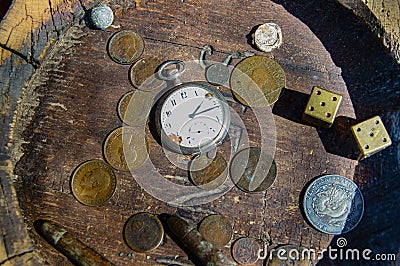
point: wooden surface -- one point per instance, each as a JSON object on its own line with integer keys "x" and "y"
{"x": 76, "y": 87}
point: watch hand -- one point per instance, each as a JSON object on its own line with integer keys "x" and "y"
{"x": 204, "y": 111}
{"x": 195, "y": 110}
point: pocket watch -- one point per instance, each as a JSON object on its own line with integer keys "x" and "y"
{"x": 191, "y": 117}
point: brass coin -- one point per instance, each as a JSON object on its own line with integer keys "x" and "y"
{"x": 208, "y": 173}
{"x": 289, "y": 255}
{"x": 125, "y": 154}
{"x": 256, "y": 81}
{"x": 245, "y": 251}
{"x": 125, "y": 47}
{"x": 216, "y": 229}
{"x": 134, "y": 108}
{"x": 252, "y": 165}
{"x": 142, "y": 72}
{"x": 93, "y": 183}
{"x": 143, "y": 232}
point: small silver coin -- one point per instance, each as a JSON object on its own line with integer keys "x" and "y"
{"x": 268, "y": 36}
{"x": 333, "y": 204}
{"x": 217, "y": 74}
{"x": 101, "y": 17}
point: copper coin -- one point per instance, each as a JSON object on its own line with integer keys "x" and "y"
{"x": 289, "y": 255}
{"x": 253, "y": 170}
{"x": 134, "y": 108}
{"x": 125, "y": 148}
{"x": 143, "y": 232}
{"x": 93, "y": 183}
{"x": 208, "y": 173}
{"x": 216, "y": 229}
{"x": 245, "y": 251}
{"x": 142, "y": 73}
{"x": 126, "y": 47}
{"x": 257, "y": 81}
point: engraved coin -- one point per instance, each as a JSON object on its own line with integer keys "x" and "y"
{"x": 217, "y": 74}
{"x": 253, "y": 170}
{"x": 216, "y": 229}
{"x": 333, "y": 204}
{"x": 143, "y": 232}
{"x": 257, "y": 81}
{"x": 101, "y": 17}
{"x": 93, "y": 183}
{"x": 208, "y": 173}
{"x": 268, "y": 36}
{"x": 289, "y": 255}
{"x": 245, "y": 251}
{"x": 134, "y": 108}
{"x": 126, "y": 47}
{"x": 143, "y": 70}
{"x": 125, "y": 157}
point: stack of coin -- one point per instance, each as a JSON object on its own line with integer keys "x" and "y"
{"x": 257, "y": 81}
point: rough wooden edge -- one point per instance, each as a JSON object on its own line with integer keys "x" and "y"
{"x": 383, "y": 18}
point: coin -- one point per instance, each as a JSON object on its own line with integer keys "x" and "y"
{"x": 217, "y": 74}
{"x": 128, "y": 154}
{"x": 216, "y": 229}
{"x": 253, "y": 170}
{"x": 208, "y": 173}
{"x": 245, "y": 251}
{"x": 125, "y": 47}
{"x": 142, "y": 72}
{"x": 143, "y": 232}
{"x": 101, "y": 17}
{"x": 289, "y": 255}
{"x": 93, "y": 183}
{"x": 257, "y": 81}
{"x": 134, "y": 108}
{"x": 268, "y": 36}
{"x": 333, "y": 204}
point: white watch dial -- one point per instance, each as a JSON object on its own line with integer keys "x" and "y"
{"x": 192, "y": 117}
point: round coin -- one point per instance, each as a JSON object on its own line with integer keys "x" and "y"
{"x": 142, "y": 73}
{"x": 101, "y": 17}
{"x": 245, "y": 251}
{"x": 143, "y": 232}
{"x": 289, "y": 255}
{"x": 217, "y": 74}
{"x": 125, "y": 154}
{"x": 93, "y": 183}
{"x": 333, "y": 204}
{"x": 208, "y": 173}
{"x": 134, "y": 108}
{"x": 253, "y": 170}
{"x": 257, "y": 81}
{"x": 268, "y": 36}
{"x": 216, "y": 229}
{"x": 126, "y": 47}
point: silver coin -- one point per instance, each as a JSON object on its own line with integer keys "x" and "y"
{"x": 333, "y": 204}
{"x": 217, "y": 74}
{"x": 268, "y": 36}
{"x": 101, "y": 17}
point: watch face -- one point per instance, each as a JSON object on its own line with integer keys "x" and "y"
{"x": 193, "y": 116}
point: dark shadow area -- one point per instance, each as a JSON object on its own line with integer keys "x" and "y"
{"x": 373, "y": 81}
{"x": 4, "y": 6}
{"x": 291, "y": 105}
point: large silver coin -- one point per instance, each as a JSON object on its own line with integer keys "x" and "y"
{"x": 333, "y": 204}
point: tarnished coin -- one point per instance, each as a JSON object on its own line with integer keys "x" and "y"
{"x": 101, "y": 17}
{"x": 289, "y": 255}
{"x": 216, "y": 229}
{"x": 253, "y": 170}
{"x": 143, "y": 232}
{"x": 257, "y": 81}
{"x": 217, "y": 74}
{"x": 245, "y": 251}
{"x": 268, "y": 36}
{"x": 126, "y": 47}
{"x": 208, "y": 173}
{"x": 144, "y": 70}
{"x": 129, "y": 156}
{"x": 333, "y": 204}
{"x": 93, "y": 183}
{"x": 134, "y": 108}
